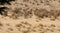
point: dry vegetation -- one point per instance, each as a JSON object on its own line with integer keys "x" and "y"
{"x": 27, "y": 9}
{"x": 28, "y": 12}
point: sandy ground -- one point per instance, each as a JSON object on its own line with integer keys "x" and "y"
{"x": 30, "y": 25}
{"x": 8, "y": 25}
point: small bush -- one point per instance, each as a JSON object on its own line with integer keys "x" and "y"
{"x": 41, "y": 13}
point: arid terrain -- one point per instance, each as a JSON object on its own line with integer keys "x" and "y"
{"x": 30, "y": 16}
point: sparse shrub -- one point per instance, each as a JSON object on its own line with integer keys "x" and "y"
{"x": 2, "y": 11}
{"x": 41, "y": 13}
{"x": 2, "y": 2}
{"x": 28, "y": 14}
{"x": 19, "y": 12}
{"x": 55, "y": 13}
{"x": 13, "y": 13}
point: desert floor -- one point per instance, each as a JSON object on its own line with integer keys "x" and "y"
{"x": 32, "y": 25}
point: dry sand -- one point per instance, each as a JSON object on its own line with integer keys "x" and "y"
{"x": 30, "y": 25}
{"x": 9, "y": 25}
